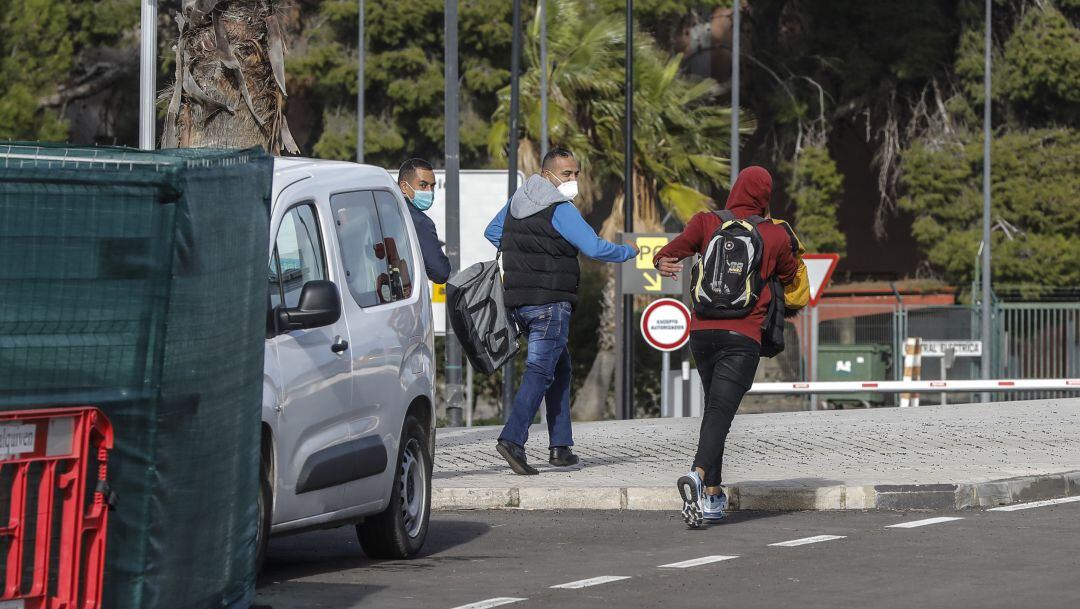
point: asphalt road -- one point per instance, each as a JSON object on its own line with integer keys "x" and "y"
{"x": 1022, "y": 558}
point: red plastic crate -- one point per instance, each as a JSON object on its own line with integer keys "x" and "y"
{"x": 54, "y": 498}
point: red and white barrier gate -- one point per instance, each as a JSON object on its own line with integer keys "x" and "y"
{"x": 912, "y": 369}
{"x": 53, "y": 507}
{"x": 998, "y": 385}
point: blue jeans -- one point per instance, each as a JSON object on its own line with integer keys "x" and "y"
{"x": 547, "y": 374}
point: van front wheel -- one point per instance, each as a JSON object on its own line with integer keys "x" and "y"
{"x": 399, "y": 531}
{"x": 266, "y": 508}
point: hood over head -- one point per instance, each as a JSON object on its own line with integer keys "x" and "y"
{"x": 750, "y": 194}
{"x": 533, "y": 197}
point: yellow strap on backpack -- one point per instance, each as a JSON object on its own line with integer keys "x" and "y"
{"x": 796, "y": 293}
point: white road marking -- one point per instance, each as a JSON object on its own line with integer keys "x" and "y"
{"x": 492, "y": 602}
{"x": 806, "y": 540}
{"x": 704, "y": 560}
{"x": 922, "y": 523}
{"x": 595, "y": 581}
{"x": 1033, "y": 504}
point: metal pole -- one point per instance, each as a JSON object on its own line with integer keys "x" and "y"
{"x": 665, "y": 382}
{"x": 620, "y": 339}
{"x": 543, "y": 80}
{"x": 944, "y": 377}
{"x": 685, "y": 406}
{"x": 453, "y": 219}
{"x": 628, "y": 218}
{"x": 361, "y": 56}
{"x": 735, "y": 26}
{"x": 987, "y": 305}
{"x": 512, "y": 153}
{"x": 813, "y": 352}
{"x": 147, "y": 73}
{"x": 470, "y": 401}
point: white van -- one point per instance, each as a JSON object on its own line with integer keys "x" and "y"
{"x": 348, "y": 420}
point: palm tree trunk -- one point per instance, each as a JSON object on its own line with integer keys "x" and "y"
{"x": 591, "y": 401}
{"x": 229, "y": 90}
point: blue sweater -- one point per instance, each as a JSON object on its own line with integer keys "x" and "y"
{"x": 436, "y": 263}
{"x": 568, "y": 221}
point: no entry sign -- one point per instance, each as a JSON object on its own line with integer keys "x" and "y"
{"x": 665, "y": 324}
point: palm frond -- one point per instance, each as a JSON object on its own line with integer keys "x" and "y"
{"x": 684, "y": 201}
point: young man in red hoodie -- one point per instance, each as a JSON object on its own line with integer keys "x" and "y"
{"x": 726, "y": 350}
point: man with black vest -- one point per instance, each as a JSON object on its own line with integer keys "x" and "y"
{"x": 540, "y": 233}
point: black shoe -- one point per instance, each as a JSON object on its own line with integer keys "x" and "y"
{"x": 562, "y": 456}
{"x": 515, "y": 456}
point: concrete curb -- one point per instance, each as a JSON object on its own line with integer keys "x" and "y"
{"x": 768, "y": 497}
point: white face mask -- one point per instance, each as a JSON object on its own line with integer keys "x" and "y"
{"x": 568, "y": 189}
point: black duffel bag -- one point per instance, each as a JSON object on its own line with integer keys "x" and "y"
{"x": 474, "y": 304}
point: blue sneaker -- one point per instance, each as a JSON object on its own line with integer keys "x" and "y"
{"x": 692, "y": 492}
{"x": 713, "y": 507}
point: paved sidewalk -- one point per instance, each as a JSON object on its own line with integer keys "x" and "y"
{"x": 932, "y": 457}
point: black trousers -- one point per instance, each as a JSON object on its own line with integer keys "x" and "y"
{"x": 727, "y": 362}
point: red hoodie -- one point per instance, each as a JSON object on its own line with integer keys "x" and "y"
{"x": 748, "y": 197}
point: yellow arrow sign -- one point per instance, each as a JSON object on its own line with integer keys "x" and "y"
{"x": 653, "y": 282}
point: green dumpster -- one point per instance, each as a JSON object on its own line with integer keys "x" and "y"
{"x": 867, "y": 362}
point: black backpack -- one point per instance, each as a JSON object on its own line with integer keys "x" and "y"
{"x": 726, "y": 280}
{"x": 474, "y": 304}
{"x": 772, "y": 328}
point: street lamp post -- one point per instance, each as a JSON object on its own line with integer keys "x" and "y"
{"x": 361, "y": 57}
{"x": 987, "y": 305}
{"x": 512, "y": 154}
{"x": 543, "y": 80}
{"x": 453, "y": 219}
{"x": 627, "y": 405}
{"x": 147, "y": 72}
{"x": 735, "y": 27}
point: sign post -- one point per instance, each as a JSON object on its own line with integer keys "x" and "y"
{"x": 819, "y": 269}
{"x": 638, "y": 278}
{"x": 665, "y": 326}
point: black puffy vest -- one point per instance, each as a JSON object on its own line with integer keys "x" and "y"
{"x": 540, "y": 266}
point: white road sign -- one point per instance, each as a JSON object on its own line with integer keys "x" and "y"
{"x": 819, "y": 268}
{"x": 665, "y": 324}
{"x": 16, "y": 439}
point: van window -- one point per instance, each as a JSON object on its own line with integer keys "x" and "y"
{"x": 299, "y": 252}
{"x": 275, "y": 280}
{"x": 398, "y": 249}
{"x": 362, "y": 251}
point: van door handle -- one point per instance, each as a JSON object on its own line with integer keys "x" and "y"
{"x": 339, "y": 346}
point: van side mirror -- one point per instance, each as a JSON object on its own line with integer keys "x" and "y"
{"x": 320, "y": 305}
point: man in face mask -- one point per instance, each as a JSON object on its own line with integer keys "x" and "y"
{"x": 416, "y": 179}
{"x": 540, "y": 234}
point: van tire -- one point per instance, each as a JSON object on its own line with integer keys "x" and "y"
{"x": 266, "y": 510}
{"x": 399, "y": 531}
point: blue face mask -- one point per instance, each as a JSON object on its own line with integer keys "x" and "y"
{"x": 423, "y": 199}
